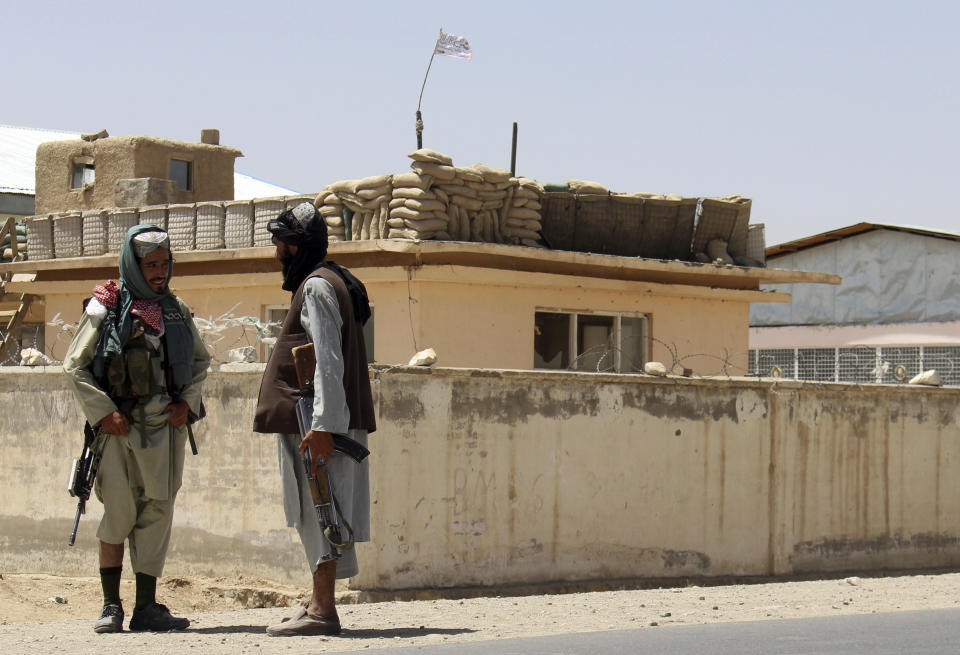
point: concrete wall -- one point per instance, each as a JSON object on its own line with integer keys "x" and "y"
{"x": 484, "y": 477}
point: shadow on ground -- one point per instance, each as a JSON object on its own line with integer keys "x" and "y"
{"x": 403, "y": 633}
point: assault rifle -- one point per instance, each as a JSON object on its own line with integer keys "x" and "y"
{"x": 324, "y": 502}
{"x": 305, "y": 362}
{"x": 83, "y": 473}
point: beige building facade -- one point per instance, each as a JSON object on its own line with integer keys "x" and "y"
{"x": 477, "y": 305}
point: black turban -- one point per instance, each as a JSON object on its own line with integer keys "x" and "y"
{"x": 303, "y": 227}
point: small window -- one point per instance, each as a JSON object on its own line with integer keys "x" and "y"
{"x": 602, "y": 343}
{"x": 181, "y": 172}
{"x": 551, "y": 340}
{"x": 595, "y": 343}
{"x": 83, "y": 176}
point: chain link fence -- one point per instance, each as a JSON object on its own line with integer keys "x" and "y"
{"x": 858, "y": 364}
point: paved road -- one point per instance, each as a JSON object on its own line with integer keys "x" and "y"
{"x": 934, "y": 632}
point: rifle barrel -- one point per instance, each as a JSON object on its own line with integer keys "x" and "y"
{"x": 76, "y": 523}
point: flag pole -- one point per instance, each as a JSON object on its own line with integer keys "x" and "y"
{"x": 419, "y": 123}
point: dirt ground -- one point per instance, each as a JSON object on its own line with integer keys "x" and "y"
{"x": 40, "y": 613}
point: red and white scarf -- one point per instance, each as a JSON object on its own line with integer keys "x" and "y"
{"x": 148, "y": 310}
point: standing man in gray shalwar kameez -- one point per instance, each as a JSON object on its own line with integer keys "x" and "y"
{"x": 328, "y": 309}
{"x": 137, "y": 365}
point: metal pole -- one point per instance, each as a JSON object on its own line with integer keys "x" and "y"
{"x": 419, "y": 123}
{"x": 513, "y": 152}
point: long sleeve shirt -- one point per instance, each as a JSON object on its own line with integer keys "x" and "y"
{"x": 320, "y": 318}
{"x": 155, "y": 462}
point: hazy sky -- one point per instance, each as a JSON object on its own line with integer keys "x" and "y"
{"x": 824, "y": 113}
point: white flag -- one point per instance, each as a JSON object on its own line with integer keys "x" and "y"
{"x": 451, "y": 45}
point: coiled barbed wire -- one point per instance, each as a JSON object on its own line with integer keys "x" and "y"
{"x": 215, "y": 332}
{"x": 855, "y": 364}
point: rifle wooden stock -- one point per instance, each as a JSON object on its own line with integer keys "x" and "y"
{"x": 305, "y": 362}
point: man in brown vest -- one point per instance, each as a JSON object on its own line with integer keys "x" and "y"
{"x": 328, "y": 309}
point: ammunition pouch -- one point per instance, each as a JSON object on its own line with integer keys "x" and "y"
{"x": 131, "y": 374}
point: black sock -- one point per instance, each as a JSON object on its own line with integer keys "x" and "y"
{"x": 146, "y": 590}
{"x": 110, "y": 581}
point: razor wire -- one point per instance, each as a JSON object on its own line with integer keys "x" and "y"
{"x": 231, "y": 338}
{"x": 227, "y": 337}
{"x": 849, "y": 364}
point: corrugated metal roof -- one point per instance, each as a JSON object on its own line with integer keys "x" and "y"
{"x": 844, "y": 232}
{"x": 247, "y": 187}
{"x": 18, "y": 156}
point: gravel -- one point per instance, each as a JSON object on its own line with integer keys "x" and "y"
{"x": 34, "y": 620}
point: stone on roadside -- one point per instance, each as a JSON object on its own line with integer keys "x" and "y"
{"x": 655, "y": 368}
{"x": 33, "y": 357}
{"x": 243, "y": 354}
{"x": 426, "y": 357}
{"x": 929, "y": 378}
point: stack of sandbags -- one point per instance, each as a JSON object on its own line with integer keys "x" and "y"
{"x": 361, "y": 204}
{"x": 479, "y": 198}
{"x": 415, "y": 210}
{"x": 420, "y": 208}
{"x": 20, "y": 237}
{"x": 331, "y": 209}
{"x": 436, "y": 200}
{"x": 523, "y": 221}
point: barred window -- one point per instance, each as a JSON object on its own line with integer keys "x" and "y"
{"x": 594, "y": 342}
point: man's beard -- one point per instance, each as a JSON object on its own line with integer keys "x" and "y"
{"x": 286, "y": 260}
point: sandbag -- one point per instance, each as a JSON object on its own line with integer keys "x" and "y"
{"x": 457, "y": 190}
{"x": 586, "y": 186}
{"x": 412, "y": 180}
{"x": 425, "y": 205}
{"x": 428, "y": 155}
{"x": 373, "y": 182}
{"x": 375, "y": 192}
{"x": 348, "y": 186}
{"x": 441, "y": 172}
{"x": 491, "y": 174}
{"x": 467, "y": 203}
{"x": 412, "y": 192}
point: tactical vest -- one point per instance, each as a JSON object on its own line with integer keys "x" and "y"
{"x": 131, "y": 375}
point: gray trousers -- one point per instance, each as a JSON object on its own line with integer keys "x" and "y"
{"x": 350, "y": 483}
